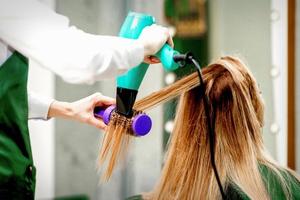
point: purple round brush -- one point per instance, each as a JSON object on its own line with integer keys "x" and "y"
{"x": 141, "y": 123}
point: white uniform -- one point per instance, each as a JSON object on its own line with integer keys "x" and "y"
{"x": 44, "y": 36}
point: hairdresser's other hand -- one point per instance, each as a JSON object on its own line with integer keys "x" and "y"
{"x": 153, "y": 38}
{"x": 81, "y": 110}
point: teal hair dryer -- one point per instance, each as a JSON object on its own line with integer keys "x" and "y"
{"x": 129, "y": 83}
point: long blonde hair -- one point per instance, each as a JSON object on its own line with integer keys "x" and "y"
{"x": 239, "y": 151}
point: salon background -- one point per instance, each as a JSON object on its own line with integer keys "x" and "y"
{"x": 65, "y": 153}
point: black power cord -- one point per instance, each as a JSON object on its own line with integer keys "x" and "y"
{"x": 188, "y": 58}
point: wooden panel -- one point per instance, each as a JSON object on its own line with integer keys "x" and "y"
{"x": 291, "y": 84}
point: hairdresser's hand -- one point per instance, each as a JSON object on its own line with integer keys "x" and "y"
{"x": 153, "y": 38}
{"x": 81, "y": 110}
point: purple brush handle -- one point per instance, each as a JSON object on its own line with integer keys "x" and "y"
{"x": 104, "y": 113}
{"x": 141, "y": 123}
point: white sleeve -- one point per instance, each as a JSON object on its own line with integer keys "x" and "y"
{"x": 38, "y": 106}
{"x": 46, "y": 37}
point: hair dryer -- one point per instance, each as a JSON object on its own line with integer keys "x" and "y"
{"x": 129, "y": 83}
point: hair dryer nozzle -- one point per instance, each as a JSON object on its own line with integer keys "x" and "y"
{"x": 183, "y": 59}
{"x": 125, "y": 100}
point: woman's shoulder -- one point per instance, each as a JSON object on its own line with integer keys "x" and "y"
{"x": 293, "y": 183}
{"x": 276, "y": 181}
{"x": 277, "y": 184}
{"x": 231, "y": 192}
{"x": 234, "y": 193}
{"x": 273, "y": 183}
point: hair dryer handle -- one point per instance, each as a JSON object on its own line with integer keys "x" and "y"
{"x": 165, "y": 55}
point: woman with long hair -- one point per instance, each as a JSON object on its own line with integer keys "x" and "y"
{"x": 236, "y": 107}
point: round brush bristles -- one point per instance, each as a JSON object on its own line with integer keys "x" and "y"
{"x": 115, "y": 142}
